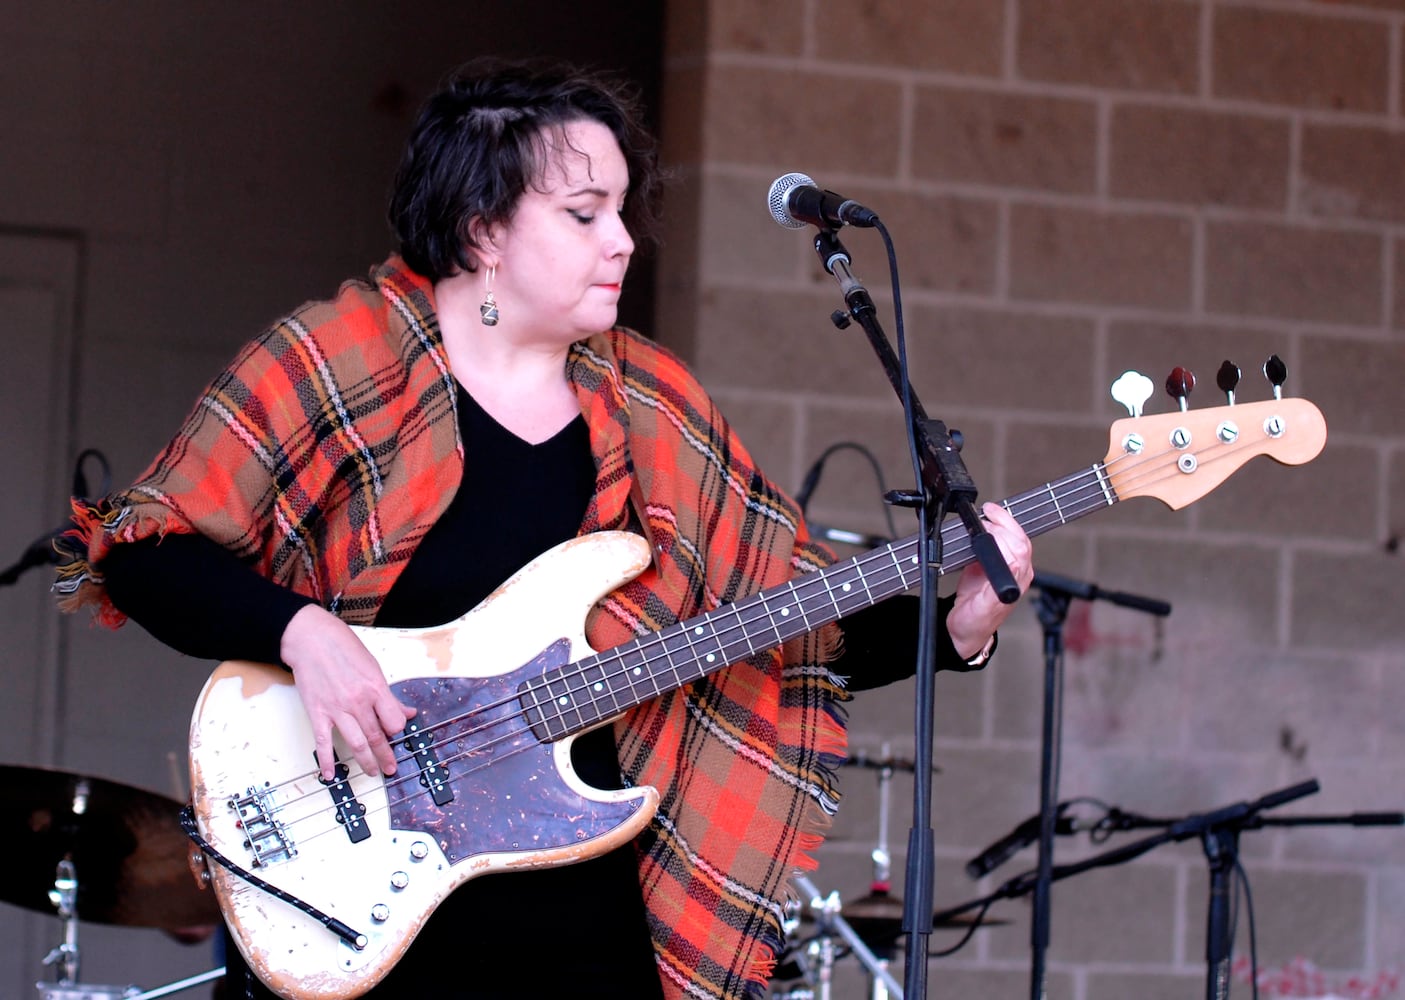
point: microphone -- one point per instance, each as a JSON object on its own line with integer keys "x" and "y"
{"x": 1015, "y": 841}
{"x": 40, "y": 552}
{"x": 795, "y": 202}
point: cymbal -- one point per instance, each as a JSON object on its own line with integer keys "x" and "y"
{"x": 126, "y": 845}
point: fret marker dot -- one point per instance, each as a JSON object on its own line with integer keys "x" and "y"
{"x": 599, "y": 686}
{"x": 848, "y": 587}
{"x": 711, "y": 658}
{"x": 698, "y": 630}
{"x": 637, "y": 671}
{"x": 784, "y": 612}
{"x": 563, "y": 700}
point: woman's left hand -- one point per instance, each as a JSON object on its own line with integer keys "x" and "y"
{"x": 978, "y": 612}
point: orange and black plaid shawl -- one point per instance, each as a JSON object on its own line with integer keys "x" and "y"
{"x": 330, "y": 446}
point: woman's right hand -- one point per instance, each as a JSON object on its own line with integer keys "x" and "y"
{"x": 342, "y": 687}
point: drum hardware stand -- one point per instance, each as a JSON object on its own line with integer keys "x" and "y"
{"x": 828, "y": 909}
{"x": 64, "y": 896}
{"x": 882, "y": 859}
{"x": 1055, "y": 595}
{"x": 832, "y": 925}
{"x": 66, "y": 956}
{"x": 1218, "y": 832}
{"x": 878, "y": 913}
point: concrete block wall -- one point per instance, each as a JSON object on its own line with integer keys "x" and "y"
{"x": 1076, "y": 188}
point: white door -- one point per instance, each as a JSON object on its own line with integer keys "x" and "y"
{"x": 50, "y": 663}
{"x": 38, "y": 292}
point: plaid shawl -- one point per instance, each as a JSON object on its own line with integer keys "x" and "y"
{"x": 331, "y": 445}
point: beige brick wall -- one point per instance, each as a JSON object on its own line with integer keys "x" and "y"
{"x": 1075, "y": 188}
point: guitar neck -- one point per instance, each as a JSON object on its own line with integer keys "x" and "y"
{"x": 580, "y": 695}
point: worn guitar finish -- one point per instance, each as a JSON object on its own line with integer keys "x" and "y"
{"x": 484, "y": 780}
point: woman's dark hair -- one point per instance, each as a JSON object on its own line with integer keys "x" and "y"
{"x": 487, "y": 135}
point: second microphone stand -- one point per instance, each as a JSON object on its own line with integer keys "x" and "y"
{"x": 1056, "y": 593}
{"x": 1218, "y": 832}
{"x": 944, "y": 486}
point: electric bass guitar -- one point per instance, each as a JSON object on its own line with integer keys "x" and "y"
{"x": 324, "y": 886}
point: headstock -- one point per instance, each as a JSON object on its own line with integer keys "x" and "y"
{"x": 1179, "y": 457}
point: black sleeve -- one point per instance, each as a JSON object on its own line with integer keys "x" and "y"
{"x": 198, "y": 598}
{"x": 880, "y": 643}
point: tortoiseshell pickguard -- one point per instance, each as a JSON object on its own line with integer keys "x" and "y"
{"x": 508, "y": 794}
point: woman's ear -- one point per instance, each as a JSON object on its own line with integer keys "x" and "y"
{"x": 483, "y": 242}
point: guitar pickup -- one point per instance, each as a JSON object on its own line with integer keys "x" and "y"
{"x": 433, "y": 775}
{"x": 350, "y": 811}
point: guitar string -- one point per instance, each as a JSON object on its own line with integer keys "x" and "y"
{"x": 891, "y": 559}
{"x": 825, "y": 589}
{"x": 883, "y": 556}
{"x": 1043, "y": 515}
{"x": 1094, "y": 484}
{"x": 885, "y": 559}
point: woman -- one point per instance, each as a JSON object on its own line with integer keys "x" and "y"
{"x": 390, "y": 456}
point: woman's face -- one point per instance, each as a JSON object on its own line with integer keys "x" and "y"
{"x": 562, "y": 258}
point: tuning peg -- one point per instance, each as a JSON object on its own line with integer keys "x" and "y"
{"x": 1132, "y": 390}
{"x": 1227, "y": 378}
{"x": 1179, "y": 384}
{"x": 1277, "y": 373}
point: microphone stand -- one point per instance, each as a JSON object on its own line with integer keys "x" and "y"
{"x": 41, "y": 551}
{"x": 1056, "y": 593}
{"x": 1218, "y": 831}
{"x": 945, "y": 485}
{"x": 1219, "y": 835}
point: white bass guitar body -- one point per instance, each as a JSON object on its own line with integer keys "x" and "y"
{"x": 379, "y": 854}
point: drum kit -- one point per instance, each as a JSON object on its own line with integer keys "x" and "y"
{"x": 822, "y": 930}
{"x": 99, "y": 851}
{"x": 83, "y": 848}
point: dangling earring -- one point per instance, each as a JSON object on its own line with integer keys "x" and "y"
{"x": 489, "y": 309}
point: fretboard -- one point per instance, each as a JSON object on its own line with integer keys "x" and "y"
{"x": 582, "y": 694}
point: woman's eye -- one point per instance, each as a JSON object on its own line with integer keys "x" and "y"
{"x": 582, "y": 218}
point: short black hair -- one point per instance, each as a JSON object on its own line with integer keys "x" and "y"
{"x": 483, "y": 138}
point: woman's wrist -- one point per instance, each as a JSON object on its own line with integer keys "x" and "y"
{"x": 982, "y": 656}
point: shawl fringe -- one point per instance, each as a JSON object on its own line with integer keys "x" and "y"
{"x": 97, "y": 527}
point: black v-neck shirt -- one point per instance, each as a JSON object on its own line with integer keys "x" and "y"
{"x": 516, "y": 501}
